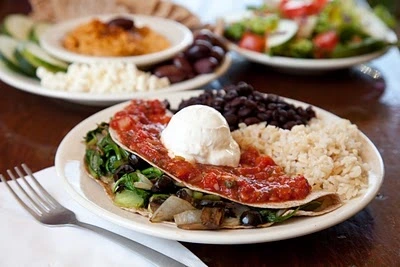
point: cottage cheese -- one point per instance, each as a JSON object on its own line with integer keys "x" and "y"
{"x": 104, "y": 77}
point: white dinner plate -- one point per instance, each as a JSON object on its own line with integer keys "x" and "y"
{"x": 69, "y": 166}
{"x": 33, "y": 86}
{"x": 179, "y": 36}
{"x": 309, "y": 66}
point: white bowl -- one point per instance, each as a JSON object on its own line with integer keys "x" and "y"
{"x": 179, "y": 36}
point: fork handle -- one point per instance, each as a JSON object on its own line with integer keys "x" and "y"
{"x": 154, "y": 257}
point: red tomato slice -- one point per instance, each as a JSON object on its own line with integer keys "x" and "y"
{"x": 252, "y": 41}
{"x": 292, "y": 8}
{"x": 325, "y": 43}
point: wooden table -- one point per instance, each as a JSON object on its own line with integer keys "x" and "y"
{"x": 32, "y": 126}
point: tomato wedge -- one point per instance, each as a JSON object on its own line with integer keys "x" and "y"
{"x": 293, "y": 9}
{"x": 325, "y": 43}
{"x": 252, "y": 41}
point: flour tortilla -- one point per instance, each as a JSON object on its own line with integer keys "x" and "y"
{"x": 314, "y": 195}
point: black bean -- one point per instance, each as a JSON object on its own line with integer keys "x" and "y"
{"x": 231, "y": 119}
{"x": 250, "y": 104}
{"x": 272, "y": 98}
{"x": 251, "y": 120}
{"x": 263, "y": 116}
{"x": 218, "y": 102}
{"x": 271, "y": 106}
{"x": 244, "y": 111}
{"x": 275, "y": 115}
{"x": 244, "y": 89}
{"x": 241, "y": 103}
{"x": 238, "y": 101}
{"x": 291, "y": 113}
{"x": 289, "y": 125}
{"x": 273, "y": 123}
{"x": 230, "y": 95}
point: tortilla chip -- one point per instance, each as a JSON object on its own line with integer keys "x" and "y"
{"x": 146, "y": 7}
{"x": 179, "y": 13}
{"x": 163, "y": 9}
{"x": 191, "y": 22}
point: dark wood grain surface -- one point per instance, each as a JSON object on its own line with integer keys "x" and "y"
{"x": 32, "y": 126}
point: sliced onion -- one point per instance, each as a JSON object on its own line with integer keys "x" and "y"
{"x": 188, "y": 217}
{"x": 142, "y": 185}
{"x": 171, "y": 206}
{"x": 143, "y": 178}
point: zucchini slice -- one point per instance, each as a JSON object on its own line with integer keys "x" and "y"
{"x": 18, "y": 26}
{"x": 37, "y": 57}
{"x": 37, "y": 30}
{"x": 8, "y": 45}
{"x": 24, "y": 65}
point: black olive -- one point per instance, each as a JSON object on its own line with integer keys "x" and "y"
{"x": 123, "y": 23}
{"x": 184, "y": 194}
{"x": 212, "y": 203}
{"x": 126, "y": 168}
{"x": 164, "y": 184}
{"x": 251, "y": 217}
{"x": 133, "y": 159}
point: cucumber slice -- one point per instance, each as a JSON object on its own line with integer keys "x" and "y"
{"x": 129, "y": 199}
{"x": 8, "y": 45}
{"x": 37, "y": 30}
{"x": 24, "y": 65}
{"x": 18, "y": 26}
{"x": 37, "y": 57}
{"x": 284, "y": 32}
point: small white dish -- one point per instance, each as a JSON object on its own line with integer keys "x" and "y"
{"x": 179, "y": 36}
{"x": 33, "y": 86}
{"x": 86, "y": 191}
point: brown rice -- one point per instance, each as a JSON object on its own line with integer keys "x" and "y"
{"x": 326, "y": 152}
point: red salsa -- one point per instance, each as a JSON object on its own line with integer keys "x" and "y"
{"x": 257, "y": 179}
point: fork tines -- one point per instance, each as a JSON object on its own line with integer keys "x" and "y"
{"x": 37, "y": 201}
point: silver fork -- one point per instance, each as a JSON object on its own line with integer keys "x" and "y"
{"x": 44, "y": 208}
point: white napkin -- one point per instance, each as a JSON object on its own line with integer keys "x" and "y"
{"x": 26, "y": 242}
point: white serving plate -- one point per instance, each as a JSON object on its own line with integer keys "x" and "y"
{"x": 309, "y": 66}
{"x": 69, "y": 166}
{"x": 33, "y": 86}
{"x": 179, "y": 36}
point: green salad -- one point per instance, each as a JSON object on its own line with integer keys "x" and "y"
{"x": 312, "y": 29}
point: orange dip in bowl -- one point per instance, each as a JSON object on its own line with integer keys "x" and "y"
{"x": 97, "y": 38}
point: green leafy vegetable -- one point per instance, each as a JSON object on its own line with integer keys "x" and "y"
{"x": 365, "y": 46}
{"x": 298, "y": 48}
{"x": 260, "y": 25}
{"x": 235, "y": 31}
{"x": 152, "y": 172}
{"x": 384, "y": 14}
{"x": 103, "y": 156}
{"x": 136, "y": 198}
{"x": 95, "y": 161}
{"x": 271, "y": 215}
